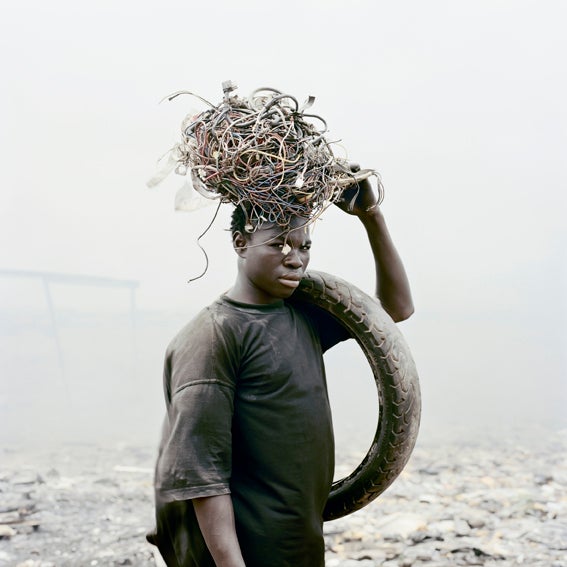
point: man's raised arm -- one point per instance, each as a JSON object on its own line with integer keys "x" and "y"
{"x": 392, "y": 285}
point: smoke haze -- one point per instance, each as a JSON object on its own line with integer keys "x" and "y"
{"x": 459, "y": 106}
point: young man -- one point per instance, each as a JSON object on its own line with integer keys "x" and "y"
{"x": 246, "y": 459}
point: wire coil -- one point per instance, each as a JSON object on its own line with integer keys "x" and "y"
{"x": 263, "y": 153}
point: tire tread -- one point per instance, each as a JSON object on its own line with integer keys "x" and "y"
{"x": 396, "y": 380}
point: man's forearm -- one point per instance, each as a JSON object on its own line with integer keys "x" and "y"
{"x": 392, "y": 285}
{"x": 215, "y": 515}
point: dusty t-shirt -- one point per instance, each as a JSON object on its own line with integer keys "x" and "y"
{"x": 248, "y": 414}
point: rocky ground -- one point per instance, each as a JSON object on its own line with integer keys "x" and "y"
{"x": 493, "y": 504}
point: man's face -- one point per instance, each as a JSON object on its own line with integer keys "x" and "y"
{"x": 272, "y": 262}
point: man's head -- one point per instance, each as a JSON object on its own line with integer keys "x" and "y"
{"x": 271, "y": 259}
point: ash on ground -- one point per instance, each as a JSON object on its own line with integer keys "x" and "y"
{"x": 491, "y": 503}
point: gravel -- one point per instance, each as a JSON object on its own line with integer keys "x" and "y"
{"x": 492, "y": 503}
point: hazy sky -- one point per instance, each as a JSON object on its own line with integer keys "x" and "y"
{"x": 459, "y": 105}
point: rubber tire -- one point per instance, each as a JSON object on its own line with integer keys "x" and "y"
{"x": 396, "y": 380}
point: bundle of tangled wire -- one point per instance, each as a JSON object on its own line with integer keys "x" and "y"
{"x": 262, "y": 153}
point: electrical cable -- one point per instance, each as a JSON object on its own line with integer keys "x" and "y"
{"x": 264, "y": 152}
{"x": 201, "y": 247}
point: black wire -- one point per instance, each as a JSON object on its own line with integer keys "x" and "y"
{"x": 199, "y": 245}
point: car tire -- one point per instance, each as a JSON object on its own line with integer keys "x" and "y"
{"x": 396, "y": 381}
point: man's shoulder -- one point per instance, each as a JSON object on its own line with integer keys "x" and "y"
{"x": 328, "y": 327}
{"x": 215, "y": 317}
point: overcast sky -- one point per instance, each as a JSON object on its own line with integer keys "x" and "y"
{"x": 459, "y": 105}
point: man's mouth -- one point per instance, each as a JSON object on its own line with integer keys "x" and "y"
{"x": 290, "y": 280}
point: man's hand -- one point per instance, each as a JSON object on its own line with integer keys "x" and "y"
{"x": 358, "y": 198}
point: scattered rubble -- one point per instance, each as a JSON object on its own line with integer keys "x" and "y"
{"x": 76, "y": 506}
{"x": 493, "y": 505}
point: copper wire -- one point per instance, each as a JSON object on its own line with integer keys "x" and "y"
{"x": 265, "y": 153}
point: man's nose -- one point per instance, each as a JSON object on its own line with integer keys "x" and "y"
{"x": 293, "y": 259}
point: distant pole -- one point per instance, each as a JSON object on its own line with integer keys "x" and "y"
{"x": 133, "y": 325}
{"x": 70, "y": 279}
{"x": 55, "y": 331}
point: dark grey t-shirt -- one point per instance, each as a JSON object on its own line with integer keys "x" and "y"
{"x": 248, "y": 414}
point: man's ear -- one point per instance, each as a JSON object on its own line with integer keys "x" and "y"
{"x": 239, "y": 243}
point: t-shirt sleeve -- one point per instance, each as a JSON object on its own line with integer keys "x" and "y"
{"x": 195, "y": 459}
{"x": 195, "y": 453}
